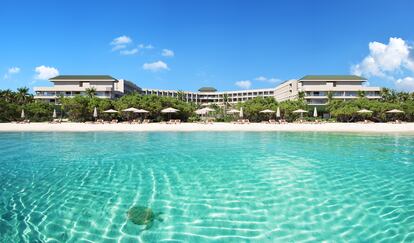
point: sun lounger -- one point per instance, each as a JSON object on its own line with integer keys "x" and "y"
{"x": 136, "y": 121}
{"x": 146, "y": 121}
{"x": 56, "y": 121}
{"x": 114, "y": 121}
{"x": 272, "y": 121}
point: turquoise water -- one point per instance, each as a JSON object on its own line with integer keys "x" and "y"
{"x": 226, "y": 187}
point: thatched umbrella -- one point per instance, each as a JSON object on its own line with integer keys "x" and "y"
{"x": 300, "y": 111}
{"x": 395, "y": 112}
{"x": 267, "y": 111}
{"x": 169, "y": 111}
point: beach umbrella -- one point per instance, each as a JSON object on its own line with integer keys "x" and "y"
{"x": 267, "y": 111}
{"x": 315, "y": 112}
{"x": 131, "y": 109}
{"x": 300, "y": 111}
{"x": 278, "y": 112}
{"x": 232, "y": 111}
{"x": 54, "y": 113}
{"x": 141, "y": 111}
{"x": 200, "y": 112}
{"x": 364, "y": 111}
{"x": 22, "y": 114}
{"x": 241, "y": 112}
{"x": 169, "y": 110}
{"x": 110, "y": 111}
{"x": 394, "y": 111}
{"x": 95, "y": 112}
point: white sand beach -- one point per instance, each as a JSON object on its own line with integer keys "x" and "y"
{"x": 405, "y": 128}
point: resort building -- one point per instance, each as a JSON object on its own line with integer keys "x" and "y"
{"x": 105, "y": 86}
{"x": 316, "y": 89}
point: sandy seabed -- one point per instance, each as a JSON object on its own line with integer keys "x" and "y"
{"x": 404, "y": 128}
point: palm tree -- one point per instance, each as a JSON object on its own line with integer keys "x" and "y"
{"x": 8, "y": 95}
{"x": 301, "y": 95}
{"x": 361, "y": 94}
{"x": 330, "y": 96}
{"x": 403, "y": 96}
{"x": 181, "y": 95}
{"x": 225, "y": 101}
{"x": 90, "y": 92}
{"x": 22, "y": 95}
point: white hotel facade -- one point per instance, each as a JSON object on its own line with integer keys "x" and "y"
{"x": 315, "y": 88}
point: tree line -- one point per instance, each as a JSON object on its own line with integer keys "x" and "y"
{"x": 80, "y": 108}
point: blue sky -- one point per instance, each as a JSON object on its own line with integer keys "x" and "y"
{"x": 188, "y": 44}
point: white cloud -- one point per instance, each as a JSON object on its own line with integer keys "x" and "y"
{"x": 143, "y": 46}
{"x": 44, "y": 72}
{"x": 155, "y": 66}
{"x": 261, "y": 78}
{"x": 390, "y": 62}
{"x": 406, "y": 84}
{"x": 11, "y": 71}
{"x": 118, "y": 47}
{"x": 121, "y": 40}
{"x": 268, "y": 80}
{"x": 129, "y": 52}
{"x": 167, "y": 53}
{"x": 244, "y": 84}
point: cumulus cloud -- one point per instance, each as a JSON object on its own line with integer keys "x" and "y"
{"x": 167, "y": 53}
{"x": 129, "y": 52}
{"x": 268, "y": 80}
{"x": 11, "y": 71}
{"x": 121, "y": 44}
{"x": 244, "y": 84}
{"x": 155, "y": 66}
{"x": 406, "y": 83}
{"x": 121, "y": 40}
{"x": 44, "y": 72}
{"x": 143, "y": 46}
{"x": 391, "y": 62}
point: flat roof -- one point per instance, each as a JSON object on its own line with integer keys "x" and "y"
{"x": 332, "y": 78}
{"x": 82, "y": 77}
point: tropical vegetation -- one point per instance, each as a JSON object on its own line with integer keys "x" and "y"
{"x": 80, "y": 108}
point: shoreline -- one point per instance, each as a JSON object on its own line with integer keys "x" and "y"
{"x": 405, "y": 128}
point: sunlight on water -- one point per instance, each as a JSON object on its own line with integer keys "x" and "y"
{"x": 238, "y": 187}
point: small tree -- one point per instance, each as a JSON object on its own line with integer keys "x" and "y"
{"x": 90, "y": 92}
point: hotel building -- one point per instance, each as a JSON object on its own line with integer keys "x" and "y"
{"x": 105, "y": 86}
{"x": 315, "y": 88}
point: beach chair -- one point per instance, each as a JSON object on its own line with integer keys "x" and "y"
{"x": 56, "y": 121}
{"x": 177, "y": 121}
{"x": 114, "y": 121}
{"x": 146, "y": 121}
{"x": 272, "y": 121}
{"x": 136, "y": 121}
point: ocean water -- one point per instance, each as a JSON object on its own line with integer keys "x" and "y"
{"x": 207, "y": 186}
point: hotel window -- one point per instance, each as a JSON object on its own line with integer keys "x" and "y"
{"x": 81, "y": 84}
